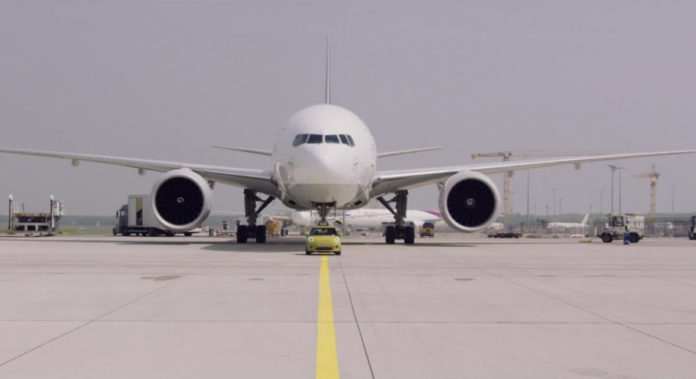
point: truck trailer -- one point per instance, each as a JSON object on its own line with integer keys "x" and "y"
{"x": 137, "y": 218}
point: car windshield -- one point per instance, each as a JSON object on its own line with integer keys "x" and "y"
{"x": 323, "y": 232}
{"x": 315, "y": 138}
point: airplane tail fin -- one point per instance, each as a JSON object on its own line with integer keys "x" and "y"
{"x": 327, "y": 79}
{"x": 585, "y": 219}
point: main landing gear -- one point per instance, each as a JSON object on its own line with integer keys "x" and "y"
{"x": 253, "y": 231}
{"x": 400, "y": 229}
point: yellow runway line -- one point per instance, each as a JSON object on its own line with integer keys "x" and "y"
{"x": 327, "y": 357}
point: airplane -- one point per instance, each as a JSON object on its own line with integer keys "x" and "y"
{"x": 325, "y": 158}
{"x": 580, "y": 224}
{"x": 368, "y": 218}
{"x": 564, "y": 227}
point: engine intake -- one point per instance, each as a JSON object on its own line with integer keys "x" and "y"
{"x": 181, "y": 200}
{"x": 469, "y": 201}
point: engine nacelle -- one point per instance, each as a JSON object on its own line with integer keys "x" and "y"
{"x": 469, "y": 201}
{"x": 181, "y": 200}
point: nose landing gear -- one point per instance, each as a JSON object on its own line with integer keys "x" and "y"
{"x": 400, "y": 229}
{"x": 323, "y": 210}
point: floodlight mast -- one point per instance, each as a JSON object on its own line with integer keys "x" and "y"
{"x": 614, "y": 168}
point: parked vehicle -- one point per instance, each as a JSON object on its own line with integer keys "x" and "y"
{"x": 137, "y": 218}
{"x": 427, "y": 230}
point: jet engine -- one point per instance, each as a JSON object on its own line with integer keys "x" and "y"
{"x": 181, "y": 200}
{"x": 469, "y": 201}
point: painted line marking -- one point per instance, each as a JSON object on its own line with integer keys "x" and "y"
{"x": 327, "y": 357}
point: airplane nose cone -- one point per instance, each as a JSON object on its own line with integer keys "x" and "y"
{"x": 327, "y": 167}
{"x": 324, "y": 174}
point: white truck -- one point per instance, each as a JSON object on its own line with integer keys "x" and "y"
{"x": 137, "y": 218}
{"x": 615, "y": 228}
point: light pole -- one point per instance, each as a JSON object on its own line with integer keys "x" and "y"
{"x": 614, "y": 168}
{"x": 620, "y": 189}
{"x": 560, "y": 205}
{"x": 10, "y": 211}
{"x": 672, "y": 187}
{"x": 526, "y": 221}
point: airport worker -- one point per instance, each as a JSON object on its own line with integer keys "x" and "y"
{"x": 627, "y": 233}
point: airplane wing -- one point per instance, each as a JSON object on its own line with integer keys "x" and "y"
{"x": 258, "y": 180}
{"x": 410, "y": 151}
{"x": 390, "y": 181}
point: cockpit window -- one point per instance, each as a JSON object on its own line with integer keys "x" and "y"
{"x": 299, "y": 139}
{"x": 318, "y": 138}
{"x": 315, "y": 138}
{"x": 331, "y": 138}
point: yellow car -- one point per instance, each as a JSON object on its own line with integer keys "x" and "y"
{"x": 324, "y": 239}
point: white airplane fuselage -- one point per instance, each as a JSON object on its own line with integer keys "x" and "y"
{"x": 326, "y": 172}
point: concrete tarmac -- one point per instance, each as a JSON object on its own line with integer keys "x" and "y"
{"x": 450, "y": 307}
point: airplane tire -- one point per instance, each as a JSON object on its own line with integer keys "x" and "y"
{"x": 606, "y": 238}
{"x": 389, "y": 235}
{"x": 242, "y": 233}
{"x": 409, "y": 235}
{"x": 260, "y": 233}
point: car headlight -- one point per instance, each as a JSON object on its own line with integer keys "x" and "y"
{"x": 338, "y": 240}
{"x": 310, "y": 239}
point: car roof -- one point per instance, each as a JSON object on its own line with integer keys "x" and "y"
{"x": 323, "y": 227}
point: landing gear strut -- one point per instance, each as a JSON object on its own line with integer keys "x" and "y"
{"x": 400, "y": 229}
{"x": 323, "y": 210}
{"x": 257, "y": 232}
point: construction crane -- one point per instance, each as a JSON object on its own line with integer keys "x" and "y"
{"x": 506, "y": 155}
{"x": 653, "y": 175}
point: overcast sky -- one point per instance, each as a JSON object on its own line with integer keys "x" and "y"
{"x": 166, "y": 80}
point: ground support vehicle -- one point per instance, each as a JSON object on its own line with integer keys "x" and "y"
{"x": 137, "y": 218}
{"x": 615, "y": 229}
{"x": 35, "y": 223}
{"x": 692, "y": 228}
{"x": 504, "y": 235}
{"x": 323, "y": 239}
{"x": 427, "y": 230}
